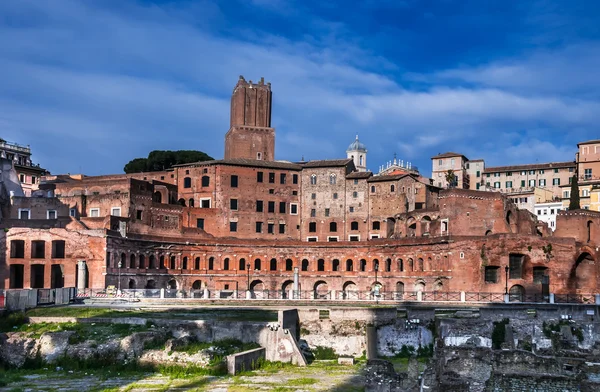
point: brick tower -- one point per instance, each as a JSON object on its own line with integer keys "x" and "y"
{"x": 250, "y": 134}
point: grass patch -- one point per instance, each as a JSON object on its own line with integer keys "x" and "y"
{"x": 12, "y": 321}
{"x": 8, "y": 377}
{"x": 183, "y": 314}
{"x": 302, "y": 381}
{"x": 99, "y": 331}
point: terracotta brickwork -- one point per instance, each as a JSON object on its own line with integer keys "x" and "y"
{"x": 200, "y": 225}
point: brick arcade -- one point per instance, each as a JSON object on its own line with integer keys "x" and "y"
{"x": 251, "y": 220}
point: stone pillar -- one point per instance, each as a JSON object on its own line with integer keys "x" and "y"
{"x": 551, "y": 300}
{"x": 296, "y": 279}
{"x": 597, "y": 298}
{"x": 419, "y": 296}
{"x": 291, "y": 294}
{"x": 81, "y": 275}
{"x": 162, "y": 293}
{"x": 371, "y": 342}
{"x": 333, "y": 295}
{"x": 205, "y": 296}
{"x": 506, "y": 298}
{"x": 248, "y": 294}
{"x": 463, "y": 296}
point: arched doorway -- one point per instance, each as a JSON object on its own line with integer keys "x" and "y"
{"x": 321, "y": 290}
{"x": 516, "y": 293}
{"x": 131, "y": 284}
{"x": 286, "y": 287}
{"x": 257, "y": 289}
{"x": 350, "y": 290}
{"x": 582, "y": 276}
{"x": 391, "y": 227}
{"x": 420, "y": 286}
{"x": 172, "y": 284}
{"x": 399, "y": 293}
{"x": 197, "y": 285}
{"x": 151, "y": 284}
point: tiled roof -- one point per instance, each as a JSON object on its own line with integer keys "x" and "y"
{"x": 357, "y": 175}
{"x": 448, "y": 155}
{"x": 589, "y": 142}
{"x": 327, "y": 163}
{"x": 391, "y": 177}
{"x": 531, "y": 166}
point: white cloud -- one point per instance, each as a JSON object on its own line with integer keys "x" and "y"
{"x": 109, "y": 86}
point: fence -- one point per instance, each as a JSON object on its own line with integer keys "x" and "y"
{"x": 342, "y": 296}
{"x": 20, "y": 299}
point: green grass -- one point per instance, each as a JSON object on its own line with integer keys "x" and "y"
{"x": 223, "y": 347}
{"x": 321, "y": 353}
{"x": 302, "y": 381}
{"x": 229, "y": 314}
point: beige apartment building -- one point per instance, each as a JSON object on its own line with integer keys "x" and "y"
{"x": 442, "y": 163}
{"x": 522, "y": 178}
{"x": 588, "y": 176}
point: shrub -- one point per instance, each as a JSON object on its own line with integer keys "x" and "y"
{"x": 321, "y": 352}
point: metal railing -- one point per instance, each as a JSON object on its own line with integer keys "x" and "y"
{"x": 45, "y": 296}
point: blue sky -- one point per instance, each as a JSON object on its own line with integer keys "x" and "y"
{"x": 92, "y": 84}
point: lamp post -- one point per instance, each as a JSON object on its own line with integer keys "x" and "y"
{"x": 119, "y": 281}
{"x": 506, "y": 273}
{"x": 376, "y": 288}
{"x": 248, "y": 271}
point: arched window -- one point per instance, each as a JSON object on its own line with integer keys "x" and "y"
{"x": 388, "y": 265}
{"x": 132, "y": 261}
{"x": 161, "y": 262}
{"x": 335, "y": 265}
{"x": 288, "y": 264}
{"x": 376, "y": 265}
{"x": 400, "y": 265}
{"x": 205, "y": 181}
{"x": 392, "y": 188}
{"x": 332, "y": 179}
{"x": 313, "y": 179}
{"x": 333, "y": 227}
{"x": 142, "y": 262}
{"x": 187, "y": 182}
{"x": 122, "y": 261}
{"x": 304, "y": 265}
{"x": 226, "y": 264}
{"x": 273, "y": 265}
{"x": 197, "y": 263}
{"x": 257, "y": 264}
{"x": 372, "y": 188}
{"x": 320, "y": 265}
{"x": 151, "y": 262}
{"x": 349, "y": 265}
{"x": 172, "y": 265}
{"x": 360, "y": 158}
{"x": 242, "y": 264}
{"x": 420, "y": 265}
{"x": 191, "y": 202}
{"x": 211, "y": 263}
{"x": 181, "y": 202}
{"x": 184, "y": 263}
{"x": 363, "y": 265}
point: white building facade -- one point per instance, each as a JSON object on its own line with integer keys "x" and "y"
{"x": 546, "y": 212}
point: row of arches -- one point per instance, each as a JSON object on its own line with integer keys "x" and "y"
{"x": 141, "y": 261}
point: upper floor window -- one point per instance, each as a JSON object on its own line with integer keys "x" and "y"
{"x": 259, "y": 176}
{"x": 205, "y": 181}
{"x": 294, "y": 178}
{"x": 187, "y": 182}
{"x": 587, "y": 174}
{"x": 282, "y": 178}
{"x": 313, "y": 179}
{"x": 271, "y": 178}
{"x": 440, "y": 162}
{"x": 372, "y": 188}
{"x": 234, "y": 181}
{"x": 332, "y": 179}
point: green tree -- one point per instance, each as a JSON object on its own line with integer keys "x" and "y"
{"x": 574, "y": 201}
{"x": 451, "y": 179}
{"x": 162, "y": 160}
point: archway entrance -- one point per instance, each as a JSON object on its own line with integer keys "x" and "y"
{"x": 516, "y": 293}
{"x": 350, "y": 291}
{"x": 583, "y": 275}
{"x": 321, "y": 290}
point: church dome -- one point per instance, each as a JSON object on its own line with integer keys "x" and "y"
{"x": 357, "y": 146}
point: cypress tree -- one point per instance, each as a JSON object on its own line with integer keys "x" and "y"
{"x": 574, "y": 201}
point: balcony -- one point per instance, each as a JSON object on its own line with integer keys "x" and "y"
{"x": 14, "y": 147}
